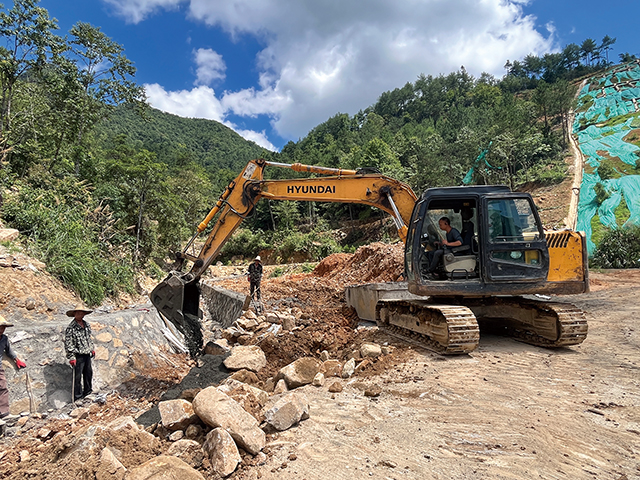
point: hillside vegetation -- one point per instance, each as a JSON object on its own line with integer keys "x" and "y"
{"x": 102, "y": 187}
{"x": 177, "y": 141}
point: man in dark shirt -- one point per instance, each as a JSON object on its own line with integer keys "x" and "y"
{"x": 80, "y": 350}
{"x": 255, "y": 276}
{"x": 5, "y": 348}
{"x": 453, "y": 239}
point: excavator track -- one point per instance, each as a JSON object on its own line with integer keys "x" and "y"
{"x": 571, "y": 325}
{"x": 445, "y": 329}
{"x": 544, "y": 324}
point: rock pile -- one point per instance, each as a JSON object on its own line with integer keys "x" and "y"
{"x": 226, "y": 422}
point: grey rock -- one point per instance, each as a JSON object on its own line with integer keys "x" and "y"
{"x": 287, "y": 411}
{"x": 176, "y": 414}
{"x": 348, "y": 368}
{"x": 300, "y": 372}
{"x": 217, "y": 409}
{"x": 222, "y": 452}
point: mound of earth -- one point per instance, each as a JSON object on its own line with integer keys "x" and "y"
{"x": 328, "y": 324}
{"x": 27, "y": 290}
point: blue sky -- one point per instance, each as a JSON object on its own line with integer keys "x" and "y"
{"x": 274, "y": 69}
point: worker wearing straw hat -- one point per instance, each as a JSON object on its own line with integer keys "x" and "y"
{"x": 255, "y": 276}
{"x": 79, "y": 348}
{"x": 5, "y": 348}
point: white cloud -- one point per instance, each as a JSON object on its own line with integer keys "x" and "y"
{"x": 321, "y": 58}
{"x": 200, "y": 102}
{"x": 210, "y": 66}
{"x": 257, "y": 137}
{"x": 135, "y": 11}
{"x": 250, "y": 103}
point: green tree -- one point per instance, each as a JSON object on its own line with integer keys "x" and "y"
{"x": 627, "y": 57}
{"x": 588, "y": 49}
{"x": 136, "y": 182}
{"x": 571, "y": 56}
{"x": 607, "y": 41}
{"x": 30, "y": 43}
{"x": 542, "y": 97}
{"x": 533, "y": 65}
{"x": 105, "y": 80}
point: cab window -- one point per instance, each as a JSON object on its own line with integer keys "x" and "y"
{"x": 512, "y": 220}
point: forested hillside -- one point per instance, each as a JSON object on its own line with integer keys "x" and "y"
{"x": 177, "y": 141}
{"x": 102, "y": 187}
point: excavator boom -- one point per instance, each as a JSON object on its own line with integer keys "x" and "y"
{"x": 506, "y": 254}
{"x": 177, "y": 297}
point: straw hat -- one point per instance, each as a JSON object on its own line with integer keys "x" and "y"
{"x": 4, "y": 323}
{"x": 79, "y": 308}
{"x": 258, "y": 258}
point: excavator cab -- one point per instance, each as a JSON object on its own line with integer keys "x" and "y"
{"x": 503, "y": 250}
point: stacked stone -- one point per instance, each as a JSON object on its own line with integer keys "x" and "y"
{"x": 117, "y": 336}
{"x": 222, "y": 420}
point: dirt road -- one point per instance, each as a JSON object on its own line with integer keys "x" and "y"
{"x": 507, "y": 411}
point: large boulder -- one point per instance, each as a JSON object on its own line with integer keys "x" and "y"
{"x": 250, "y": 357}
{"x": 300, "y": 372}
{"x": 89, "y": 441}
{"x": 222, "y": 452}
{"x": 176, "y": 414}
{"x": 189, "y": 451}
{"x": 287, "y": 411}
{"x": 252, "y": 399}
{"x": 163, "y": 467}
{"x": 217, "y": 409}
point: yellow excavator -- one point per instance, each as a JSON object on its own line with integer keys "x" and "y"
{"x": 504, "y": 254}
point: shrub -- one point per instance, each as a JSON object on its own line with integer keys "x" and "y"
{"x": 277, "y": 272}
{"x": 65, "y": 231}
{"x": 308, "y": 267}
{"x": 601, "y": 193}
{"x": 244, "y": 243}
{"x": 606, "y": 171}
{"x": 619, "y": 248}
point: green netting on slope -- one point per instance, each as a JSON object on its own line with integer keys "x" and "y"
{"x": 627, "y": 187}
{"x": 610, "y": 140}
{"x": 607, "y": 97}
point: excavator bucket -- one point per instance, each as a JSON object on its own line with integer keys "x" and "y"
{"x": 178, "y": 301}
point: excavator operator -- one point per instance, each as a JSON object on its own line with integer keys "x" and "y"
{"x": 453, "y": 239}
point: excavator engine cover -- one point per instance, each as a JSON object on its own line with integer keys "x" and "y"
{"x": 178, "y": 300}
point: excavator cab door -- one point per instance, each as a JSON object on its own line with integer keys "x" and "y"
{"x": 514, "y": 246}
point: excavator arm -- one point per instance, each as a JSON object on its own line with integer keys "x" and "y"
{"x": 177, "y": 297}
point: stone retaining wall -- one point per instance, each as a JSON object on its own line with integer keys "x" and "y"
{"x": 224, "y": 306}
{"x": 41, "y": 345}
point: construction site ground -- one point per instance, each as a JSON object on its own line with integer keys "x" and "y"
{"x": 506, "y": 411}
